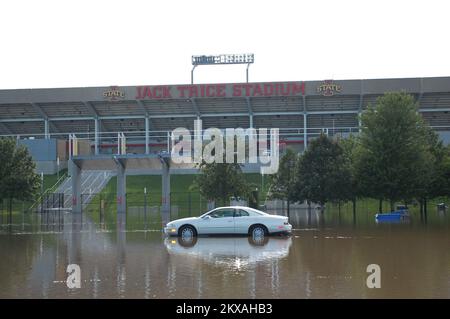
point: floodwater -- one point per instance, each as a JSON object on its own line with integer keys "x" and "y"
{"x": 122, "y": 257}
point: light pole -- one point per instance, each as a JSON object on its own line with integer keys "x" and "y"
{"x": 192, "y": 73}
{"x": 246, "y": 72}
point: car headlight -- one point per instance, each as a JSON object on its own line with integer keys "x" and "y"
{"x": 171, "y": 227}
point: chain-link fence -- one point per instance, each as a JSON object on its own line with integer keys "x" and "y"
{"x": 146, "y": 205}
{"x": 147, "y": 208}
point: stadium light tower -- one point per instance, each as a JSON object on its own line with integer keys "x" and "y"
{"x": 247, "y": 58}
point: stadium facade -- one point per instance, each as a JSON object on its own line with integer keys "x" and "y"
{"x": 43, "y": 118}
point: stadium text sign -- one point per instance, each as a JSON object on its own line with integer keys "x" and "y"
{"x": 114, "y": 94}
{"x": 329, "y": 88}
{"x": 220, "y": 90}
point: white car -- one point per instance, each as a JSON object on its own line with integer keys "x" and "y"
{"x": 229, "y": 220}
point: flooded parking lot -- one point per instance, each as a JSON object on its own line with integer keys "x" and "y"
{"x": 122, "y": 257}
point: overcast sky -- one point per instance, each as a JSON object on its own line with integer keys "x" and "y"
{"x": 100, "y": 43}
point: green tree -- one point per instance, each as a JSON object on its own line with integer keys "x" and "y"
{"x": 321, "y": 173}
{"x": 282, "y": 183}
{"x": 18, "y": 179}
{"x": 351, "y": 191}
{"x": 437, "y": 182}
{"x": 393, "y": 161}
{"x": 220, "y": 181}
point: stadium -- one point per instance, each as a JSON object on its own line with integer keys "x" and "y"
{"x": 145, "y": 114}
{"x": 138, "y": 120}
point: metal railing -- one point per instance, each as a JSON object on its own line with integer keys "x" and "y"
{"x": 46, "y": 192}
{"x": 162, "y": 135}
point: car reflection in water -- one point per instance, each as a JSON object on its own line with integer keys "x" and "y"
{"x": 234, "y": 252}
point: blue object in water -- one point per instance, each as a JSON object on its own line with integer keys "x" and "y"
{"x": 393, "y": 216}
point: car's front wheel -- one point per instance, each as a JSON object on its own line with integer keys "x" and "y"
{"x": 187, "y": 231}
{"x": 258, "y": 231}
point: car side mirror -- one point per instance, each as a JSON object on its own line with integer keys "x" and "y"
{"x": 207, "y": 217}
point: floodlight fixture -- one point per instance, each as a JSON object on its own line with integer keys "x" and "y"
{"x": 246, "y": 58}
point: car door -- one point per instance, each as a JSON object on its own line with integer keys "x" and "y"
{"x": 221, "y": 222}
{"x": 242, "y": 221}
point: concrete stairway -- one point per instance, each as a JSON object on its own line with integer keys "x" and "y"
{"x": 92, "y": 183}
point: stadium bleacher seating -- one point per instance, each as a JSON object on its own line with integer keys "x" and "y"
{"x": 334, "y": 111}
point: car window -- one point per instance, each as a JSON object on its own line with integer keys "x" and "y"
{"x": 221, "y": 213}
{"x": 255, "y": 212}
{"x": 251, "y": 213}
{"x": 241, "y": 213}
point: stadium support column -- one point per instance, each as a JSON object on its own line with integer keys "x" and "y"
{"x": 75, "y": 173}
{"x": 305, "y": 133}
{"x": 147, "y": 137}
{"x": 96, "y": 128}
{"x": 46, "y": 129}
{"x": 165, "y": 200}
{"x": 121, "y": 188}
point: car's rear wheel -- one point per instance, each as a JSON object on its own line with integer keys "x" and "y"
{"x": 187, "y": 231}
{"x": 258, "y": 231}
